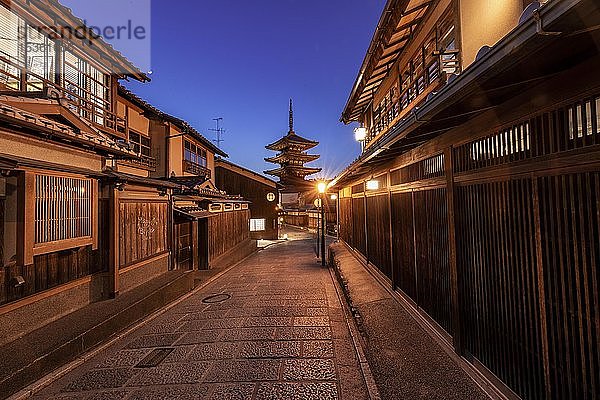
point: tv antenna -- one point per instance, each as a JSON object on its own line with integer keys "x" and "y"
{"x": 218, "y": 131}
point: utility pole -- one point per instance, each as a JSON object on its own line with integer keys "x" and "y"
{"x": 218, "y": 131}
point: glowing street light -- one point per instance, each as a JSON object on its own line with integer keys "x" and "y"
{"x": 322, "y": 187}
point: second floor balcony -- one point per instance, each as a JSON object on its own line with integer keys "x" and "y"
{"x": 415, "y": 89}
{"x": 196, "y": 169}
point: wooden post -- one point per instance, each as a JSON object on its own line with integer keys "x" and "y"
{"x": 113, "y": 275}
{"x": 454, "y": 290}
{"x": 391, "y": 228}
{"x": 95, "y": 199}
{"x": 195, "y": 245}
{"x": 26, "y": 218}
{"x": 366, "y": 227}
{"x": 541, "y": 285}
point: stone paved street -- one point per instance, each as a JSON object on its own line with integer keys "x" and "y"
{"x": 277, "y": 331}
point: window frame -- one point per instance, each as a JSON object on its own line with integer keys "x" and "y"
{"x": 27, "y": 246}
{"x": 196, "y": 151}
{"x": 256, "y": 223}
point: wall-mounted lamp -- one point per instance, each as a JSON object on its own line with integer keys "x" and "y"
{"x": 360, "y": 134}
{"x": 334, "y": 197}
{"x": 372, "y": 185}
{"x": 17, "y": 281}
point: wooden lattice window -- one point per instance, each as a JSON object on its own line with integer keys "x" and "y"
{"x": 63, "y": 208}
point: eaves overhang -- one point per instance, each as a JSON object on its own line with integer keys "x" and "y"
{"x": 557, "y": 37}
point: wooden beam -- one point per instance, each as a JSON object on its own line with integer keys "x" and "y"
{"x": 113, "y": 274}
{"x": 454, "y": 289}
{"x": 541, "y": 287}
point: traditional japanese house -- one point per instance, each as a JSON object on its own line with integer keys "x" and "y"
{"x": 476, "y": 196}
{"x": 210, "y": 227}
{"x": 291, "y": 158}
{"x": 261, "y": 192}
{"x": 78, "y": 210}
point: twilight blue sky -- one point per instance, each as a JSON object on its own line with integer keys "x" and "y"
{"x": 242, "y": 60}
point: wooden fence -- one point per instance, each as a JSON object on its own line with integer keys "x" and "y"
{"x": 226, "y": 230}
{"x": 496, "y": 240}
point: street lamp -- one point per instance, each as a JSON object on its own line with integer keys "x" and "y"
{"x": 322, "y": 187}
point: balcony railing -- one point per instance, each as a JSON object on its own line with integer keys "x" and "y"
{"x": 96, "y": 110}
{"x": 196, "y": 169}
{"x": 148, "y": 163}
{"x": 433, "y": 76}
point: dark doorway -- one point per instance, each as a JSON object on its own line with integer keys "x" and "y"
{"x": 203, "y": 243}
{"x": 183, "y": 233}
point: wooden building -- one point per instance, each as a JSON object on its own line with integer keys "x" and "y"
{"x": 476, "y": 196}
{"x": 92, "y": 179}
{"x": 261, "y": 192}
{"x": 80, "y": 217}
{"x": 202, "y": 212}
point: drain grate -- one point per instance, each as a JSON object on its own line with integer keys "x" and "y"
{"x": 216, "y": 298}
{"x": 155, "y": 357}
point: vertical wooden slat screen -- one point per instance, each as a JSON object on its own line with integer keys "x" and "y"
{"x": 570, "y": 223}
{"x": 358, "y": 225}
{"x": 379, "y": 233}
{"x": 432, "y": 255}
{"x": 403, "y": 241}
{"x": 498, "y": 281}
{"x": 345, "y": 213}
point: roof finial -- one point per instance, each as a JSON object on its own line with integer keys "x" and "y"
{"x": 291, "y": 117}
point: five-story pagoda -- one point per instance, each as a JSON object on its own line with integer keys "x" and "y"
{"x": 291, "y": 159}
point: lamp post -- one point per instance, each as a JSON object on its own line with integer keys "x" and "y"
{"x": 322, "y": 187}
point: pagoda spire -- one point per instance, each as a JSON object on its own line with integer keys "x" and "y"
{"x": 291, "y": 118}
{"x": 292, "y": 156}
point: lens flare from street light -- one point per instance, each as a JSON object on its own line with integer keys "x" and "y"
{"x": 322, "y": 187}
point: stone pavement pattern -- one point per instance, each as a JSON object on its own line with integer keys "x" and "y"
{"x": 281, "y": 335}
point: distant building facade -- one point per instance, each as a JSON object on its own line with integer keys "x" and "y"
{"x": 261, "y": 193}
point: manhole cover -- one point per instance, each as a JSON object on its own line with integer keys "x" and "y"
{"x": 217, "y": 298}
{"x": 155, "y": 357}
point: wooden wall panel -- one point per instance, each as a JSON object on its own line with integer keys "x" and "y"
{"x": 358, "y": 225}
{"x": 378, "y": 230}
{"x": 570, "y": 241}
{"x": 432, "y": 255}
{"x": 226, "y": 230}
{"x": 47, "y": 271}
{"x": 403, "y": 242}
{"x": 142, "y": 231}
{"x": 346, "y": 220}
{"x": 497, "y": 267}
